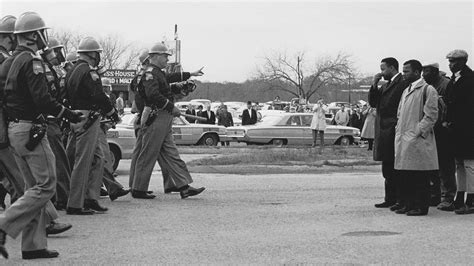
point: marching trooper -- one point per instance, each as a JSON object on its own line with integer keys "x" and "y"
{"x": 156, "y": 121}
{"x": 9, "y": 169}
{"x": 85, "y": 93}
{"x": 27, "y": 101}
{"x": 114, "y": 188}
{"x": 54, "y": 56}
{"x": 136, "y": 86}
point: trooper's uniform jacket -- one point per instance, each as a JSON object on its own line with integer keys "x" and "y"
{"x": 84, "y": 89}
{"x": 157, "y": 90}
{"x": 26, "y": 89}
{"x": 3, "y": 56}
{"x": 134, "y": 87}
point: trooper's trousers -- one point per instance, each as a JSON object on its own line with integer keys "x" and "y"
{"x": 157, "y": 144}
{"x": 28, "y": 214}
{"x": 112, "y": 185}
{"x": 168, "y": 182}
{"x": 86, "y": 177}
{"x": 12, "y": 178}
{"x": 63, "y": 168}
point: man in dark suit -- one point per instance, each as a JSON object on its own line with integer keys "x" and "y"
{"x": 209, "y": 115}
{"x": 386, "y": 100}
{"x": 191, "y": 111}
{"x": 249, "y": 116}
{"x": 460, "y": 107}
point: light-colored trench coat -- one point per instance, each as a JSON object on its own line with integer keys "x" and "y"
{"x": 415, "y": 145}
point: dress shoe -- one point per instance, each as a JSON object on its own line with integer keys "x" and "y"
{"x": 122, "y": 192}
{"x": 60, "y": 206}
{"x": 103, "y": 192}
{"x": 434, "y": 202}
{"x": 417, "y": 212}
{"x": 402, "y": 210}
{"x": 190, "y": 191}
{"x": 3, "y": 240}
{"x": 384, "y": 205}
{"x": 171, "y": 190}
{"x": 94, "y": 205}
{"x": 396, "y": 207}
{"x": 55, "y": 228}
{"x": 142, "y": 195}
{"x": 446, "y": 206}
{"x": 79, "y": 211}
{"x": 149, "y": 192}
{"x": 39, "y": 254}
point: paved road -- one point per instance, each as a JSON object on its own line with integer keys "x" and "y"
{"x": 277, "y": 219}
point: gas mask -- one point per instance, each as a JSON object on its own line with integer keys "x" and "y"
{"x": 50, "y": 56}
{"x": 42, "y": 40}
{"x": 60, "y": 54}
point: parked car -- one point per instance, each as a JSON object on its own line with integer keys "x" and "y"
{"x": 291, "y": 129}
{"x": 122, "y": 139}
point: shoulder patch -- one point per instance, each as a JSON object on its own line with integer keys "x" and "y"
{"x": 148, "y": 76}
{"x": 94, "y": 76}
{"x": 38, "y": 67}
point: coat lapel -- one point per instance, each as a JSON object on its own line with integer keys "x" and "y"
{"x": 393, "y": 83}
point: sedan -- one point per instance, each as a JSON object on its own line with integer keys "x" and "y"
{"x": 122, "y": 139}
{"x": 291, "y": 129}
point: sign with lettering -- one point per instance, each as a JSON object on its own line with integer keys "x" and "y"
{"x": 120, "y": 76}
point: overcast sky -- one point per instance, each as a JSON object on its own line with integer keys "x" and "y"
{"x": 229, "y": 38}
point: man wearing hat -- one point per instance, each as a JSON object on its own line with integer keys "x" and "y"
{"x": 443, "y": 185}
{"x": 460, "y": 119}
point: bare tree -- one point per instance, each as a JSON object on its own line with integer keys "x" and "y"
{"x": 114, "y": 50}
{"x": 292, "y": 75}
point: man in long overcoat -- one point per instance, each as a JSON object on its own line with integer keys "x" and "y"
{"x": 385, "y": 99}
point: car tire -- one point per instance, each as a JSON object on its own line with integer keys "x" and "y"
{"x": 278, "y": 142}
{"x": 115, "y": 152}
{"x": 209, "y": 140}
{"x": 344, "y": 141}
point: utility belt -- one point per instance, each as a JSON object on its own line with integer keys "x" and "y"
{"x": 92, "y": 117}
{"x": 37, "y": 130}
{"x": 148, "y": 115}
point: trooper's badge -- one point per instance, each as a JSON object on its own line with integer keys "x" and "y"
{"x": 61, "y": 83}
{"x": 38, "y": 67}
{"x": 148, "y": 76}
{"x": 94, "y": 76}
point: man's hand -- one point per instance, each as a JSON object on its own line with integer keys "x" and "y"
{"x": 377, "y": 78}
{"x": 197, "y": 73}
{"x": 73, "y": 116}
{"x": 176, "y": 112}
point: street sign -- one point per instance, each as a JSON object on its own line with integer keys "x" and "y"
{"x": 120, "y": 76}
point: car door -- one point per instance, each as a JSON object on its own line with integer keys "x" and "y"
{"x": 307, "y": 131}
{"x": 294, "y": 130}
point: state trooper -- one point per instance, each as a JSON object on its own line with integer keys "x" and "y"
{"x": 9, "y": 183}
{"x": 156, "y": 122}
{"x": 12, "y": 175}
{"x": 85, "y": 93}
{"x": 27, "y": 101}
{"x": 114, "y": 188}
{"x": 136, "y": 86}
{"x": 53, "y": 57}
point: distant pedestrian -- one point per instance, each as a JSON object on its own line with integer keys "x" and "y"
{"x": 209, "y": 115}
{"x": 368, "y": 131}
{"x": 460, "y": 119}
{"x": 120, "y": 104}
{"x": 249, "y": 116}
{"x": 342, "y": 117}
{"x": 191, "y": 111}
{"x": 224, "y": 118}
{"x": 415, "y": 146}
{"x": 318, "y": 124}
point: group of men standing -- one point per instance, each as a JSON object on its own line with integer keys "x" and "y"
{"x": 424, "y": 135}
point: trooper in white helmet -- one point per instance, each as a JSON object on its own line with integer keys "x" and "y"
{"x": 156, "y": 128}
